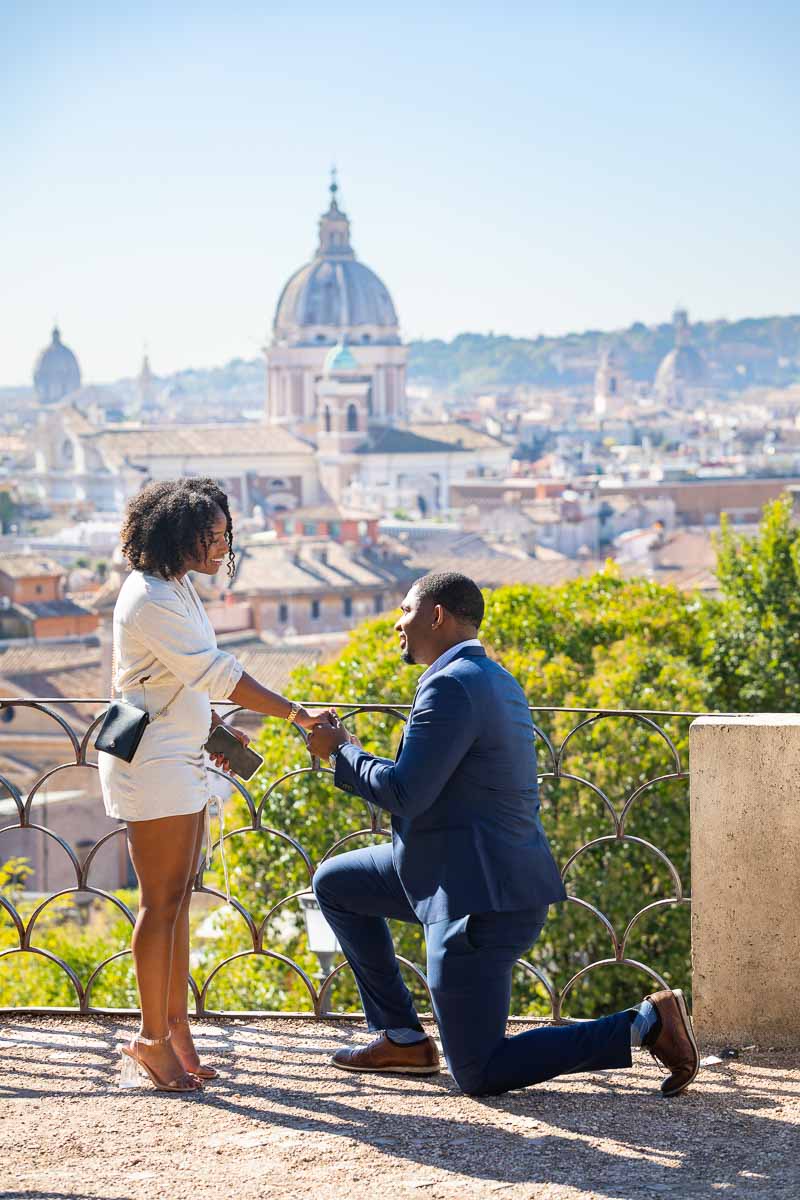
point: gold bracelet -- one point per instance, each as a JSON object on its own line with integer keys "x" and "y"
{"x": 293, "y": 711}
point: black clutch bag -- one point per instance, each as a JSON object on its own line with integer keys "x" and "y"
{"x": 121, "y": 730}
{"x": 124, "y": 724}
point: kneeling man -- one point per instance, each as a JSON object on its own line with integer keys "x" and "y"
{"x": 470, "y": 862}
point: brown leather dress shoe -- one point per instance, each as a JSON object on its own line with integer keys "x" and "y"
{"x": 420, "y": 1058}
{"x": 674, "y": 1044}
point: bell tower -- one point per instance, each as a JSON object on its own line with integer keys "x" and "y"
{"x": 609, "y": 384}
{"x": 343, "y": 398}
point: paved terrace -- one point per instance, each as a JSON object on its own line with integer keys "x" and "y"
{"x": 282, "y": 1123}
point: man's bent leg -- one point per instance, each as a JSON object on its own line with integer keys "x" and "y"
{"x": 357, "y": 891}
{"x": 470, "y": 963}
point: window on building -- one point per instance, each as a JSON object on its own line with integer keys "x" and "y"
{"x": 347, "y": 606}
{"x": 315, "y": 610}
{"x": 352, "y": 418}
{"x": 39, "y": 589}
{"x": 377, "y": 602}
{"x": 327, "y": 419}
{"x": 309, "y": 528}
{"x": 283, "y": 613}
{"x": 334, "y": 529}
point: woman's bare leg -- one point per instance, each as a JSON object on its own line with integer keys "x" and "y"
{"x": 178, "y": 985}
{"x": 161, "y": 852}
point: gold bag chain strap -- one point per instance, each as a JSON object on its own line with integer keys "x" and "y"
{"x": 162, "y": 711}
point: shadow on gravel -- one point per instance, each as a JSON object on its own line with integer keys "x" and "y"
{"x": 726, "y": 1134}
{"x": 26, "y": 1195}
{"x": 671, "y": 1152}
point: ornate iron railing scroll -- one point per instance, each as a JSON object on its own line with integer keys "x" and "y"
{"x": 554, "y": 760}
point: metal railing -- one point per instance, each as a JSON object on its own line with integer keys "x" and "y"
{"x": 554, "y": 751}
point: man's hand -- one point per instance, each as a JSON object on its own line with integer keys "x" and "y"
{"x": 327, "y": 736}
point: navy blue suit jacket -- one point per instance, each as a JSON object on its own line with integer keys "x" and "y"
{"x": 463, "y": 794}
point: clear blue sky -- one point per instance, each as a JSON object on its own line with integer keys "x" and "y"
{"x": 521, "y": 167}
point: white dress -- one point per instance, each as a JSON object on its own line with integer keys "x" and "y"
{"x": 161, "y": 632}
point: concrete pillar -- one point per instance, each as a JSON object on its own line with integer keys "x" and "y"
{"x": 745, "y": 822}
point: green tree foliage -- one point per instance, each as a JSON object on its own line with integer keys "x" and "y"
{"x": 82, "y": 936}
{"x": 754, "y": 647}
{"x": 8, "y": 511}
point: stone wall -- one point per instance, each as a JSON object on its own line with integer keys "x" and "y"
{"x": 745, "y": 820}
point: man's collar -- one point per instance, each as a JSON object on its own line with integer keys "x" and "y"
{"x": 448, "y": 656}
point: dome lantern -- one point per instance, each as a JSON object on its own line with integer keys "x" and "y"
{"x": 334, "y": 227}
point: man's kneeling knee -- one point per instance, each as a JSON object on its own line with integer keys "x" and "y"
{"x": 325, "y": 880}
{"x": 471, "y": 1082}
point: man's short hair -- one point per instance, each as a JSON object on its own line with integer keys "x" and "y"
{"x": 459, "y": 594}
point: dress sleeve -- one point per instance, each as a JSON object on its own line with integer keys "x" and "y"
{"x": 161, "y": 624}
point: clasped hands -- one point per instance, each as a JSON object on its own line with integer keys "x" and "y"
{"x": 328, "y": 734}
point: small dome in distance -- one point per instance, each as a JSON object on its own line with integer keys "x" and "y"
{"x": 340, "y": 360}
{"x": 56, "y": 372}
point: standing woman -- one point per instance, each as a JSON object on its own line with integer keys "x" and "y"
{"x": 168, "y": 663}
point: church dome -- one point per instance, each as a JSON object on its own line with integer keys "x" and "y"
{"x": 340, "y": 360}
{"x": 335, "y": 293}
{"x": 684, "y": 367}
{"x": 56, "y": 372}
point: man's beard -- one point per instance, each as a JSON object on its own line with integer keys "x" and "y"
{"x": 408, "y": 658}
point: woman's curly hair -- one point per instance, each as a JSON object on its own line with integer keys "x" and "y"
{"x": 168, "y": 522}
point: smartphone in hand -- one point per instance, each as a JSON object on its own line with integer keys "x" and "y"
{"x": 243, "y": 761}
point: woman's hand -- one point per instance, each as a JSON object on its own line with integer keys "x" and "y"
{"x": 306, "y": 721}
{"x": 239, "y": 734}
{"x": 218, "y": 759}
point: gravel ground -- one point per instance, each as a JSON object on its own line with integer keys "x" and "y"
{"x": 282, "y": 1123}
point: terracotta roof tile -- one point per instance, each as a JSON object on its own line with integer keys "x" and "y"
{"x": 284, "y": 568}
{"x": 29, "y": 566}
{"x": 199, "y": 442}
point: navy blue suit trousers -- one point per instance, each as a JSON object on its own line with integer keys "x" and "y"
{"x": 470, "y": 960}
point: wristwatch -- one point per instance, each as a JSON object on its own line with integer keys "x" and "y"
{"x": 334, "y": 754}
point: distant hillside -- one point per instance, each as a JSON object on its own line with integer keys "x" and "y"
{"x": 755, "y": 351}
{"x": 764, "y": 350}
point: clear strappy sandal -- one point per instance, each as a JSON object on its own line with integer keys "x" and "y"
{"x": 133, "y": 1069}
{"x": 200, "y": 1072}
